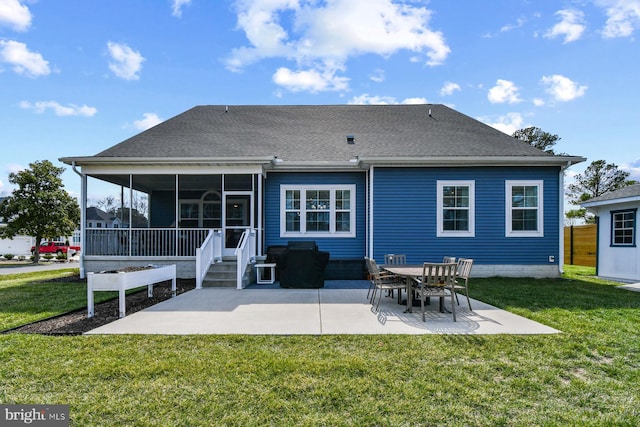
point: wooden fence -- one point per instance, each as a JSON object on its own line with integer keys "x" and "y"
{"x": 580, "y": 245}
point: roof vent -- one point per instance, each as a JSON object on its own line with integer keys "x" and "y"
{"x": 351, "y": 139}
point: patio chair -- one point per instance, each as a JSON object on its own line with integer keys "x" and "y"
{"x": 437, "y": 280}
{"x": 395, "y": 259}
{"x": 448, "y": 259}
{"x": 462, "y": 274}
{"x": 384, "y": 281}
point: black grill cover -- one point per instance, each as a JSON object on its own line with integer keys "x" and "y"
{"x": 302, "y": 268}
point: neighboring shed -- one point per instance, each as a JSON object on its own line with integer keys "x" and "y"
{"x": 617, "y": 214}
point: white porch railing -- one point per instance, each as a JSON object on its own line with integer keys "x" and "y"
{"x": 207, "y": 254}
{"x": 144, "y": 242}
{"x": 245, "y": 254}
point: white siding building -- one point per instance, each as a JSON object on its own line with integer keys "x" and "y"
{"x": 617, "y": 218}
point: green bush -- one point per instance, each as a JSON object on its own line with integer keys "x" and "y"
{"x": 61, "y": 256}
{"x": 48, "y": 257}
{"x": 8, "y": 256}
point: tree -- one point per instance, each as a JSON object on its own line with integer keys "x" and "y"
{"x": 579, "y": 214}
{"x": 39, "y": 207}
{"x": 599, "y": 178}
{"x": 538, "y": 138}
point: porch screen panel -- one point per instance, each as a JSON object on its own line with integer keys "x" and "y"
{"x": 107, "y": 215}
{"x": 199, "y": 201}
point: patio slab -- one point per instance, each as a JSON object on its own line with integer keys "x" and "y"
{"x": 325, "y": 311}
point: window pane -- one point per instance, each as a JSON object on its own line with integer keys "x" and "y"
{"x": 318, "y": 200}
{"x": 293, "y": 221}
{"x": 343, "y": 221}
{"x": 317, "y": 221}
{"x": 454, "y": 196}
{"x": 292, "y": 199}
{"x": 524, "y": 220}
{"x": 343, "y": 199}
{"x": 455, "y": 220}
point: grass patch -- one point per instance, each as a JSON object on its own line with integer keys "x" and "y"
{"x": 28, "y": 297}
{"x": 588, "y": 375}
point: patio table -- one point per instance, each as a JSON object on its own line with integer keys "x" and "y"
{"x": 409, "y": 272}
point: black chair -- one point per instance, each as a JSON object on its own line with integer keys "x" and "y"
{"x": 302, "y": 265}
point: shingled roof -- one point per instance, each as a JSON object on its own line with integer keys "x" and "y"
{"x": 320, "y": 133}
{"x": 628, "y": 193}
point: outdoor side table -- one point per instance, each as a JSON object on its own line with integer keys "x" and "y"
{"x": 272, "y": 276}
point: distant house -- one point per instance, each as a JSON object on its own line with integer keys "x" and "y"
{"x": 97, "y": 218}
{"x": 422, "y": 180}
{"x": 19, "y": 245}
{"x": 617, "y": 218}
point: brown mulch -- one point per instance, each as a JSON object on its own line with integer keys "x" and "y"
{"x": 77, "y": 322}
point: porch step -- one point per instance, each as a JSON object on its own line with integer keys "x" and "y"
{"x": 221, "y": 275}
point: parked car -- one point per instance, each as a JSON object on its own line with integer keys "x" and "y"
{"x": 57, "y": 248}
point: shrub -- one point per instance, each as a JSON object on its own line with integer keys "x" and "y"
{"x": 48, "y": 257}
{"x": 61, "y": 256}
{"x": 8, "y": 256}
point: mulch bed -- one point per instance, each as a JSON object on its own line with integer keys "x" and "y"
{"x": 77, "y": 322}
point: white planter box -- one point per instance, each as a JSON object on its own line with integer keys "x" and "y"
{"x": 123, "y": 280}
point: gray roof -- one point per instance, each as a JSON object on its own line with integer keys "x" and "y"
{"x": 95, "y": 214}
{"x": 318, "y": 133}
{"x": 628, "y": 192}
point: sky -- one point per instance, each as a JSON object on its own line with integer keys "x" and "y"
{"x": 78, "y": 76}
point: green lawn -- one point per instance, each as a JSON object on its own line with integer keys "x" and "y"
{"x": 588, "y": 375}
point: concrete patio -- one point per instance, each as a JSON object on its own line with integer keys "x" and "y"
{"x": 341, "y": 307}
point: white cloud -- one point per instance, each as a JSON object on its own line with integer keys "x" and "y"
{"x": 366, "y": 99}
{"x": 177, "y": 5}
{"x": 24, "y": 62}
{"x": 377, "y": 75}
{"x": 571, "y": 26}
{"x": 59, "y": 110}
{"x": 562, "y": 88}
{"x": 519, "y": 23}
{"x": 126, "y": 63}
{"x": 309, "y": 80}
{"x": 148, "y": 120}
{"x": 538, "y": 102}
{"x": 14, "y": 15}
{"x": 503, "y": 91}
{"x": 323, "y": 35}
{"x": 633, "y": 168}
{"x": 508, "y": 123}
{"x": 623, "y": 17}
{"x": 449, "y": 88}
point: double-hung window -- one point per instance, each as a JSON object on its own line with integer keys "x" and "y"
{"x": 524, "y": 209}
{"x": 456, "y": 209}
{"x": 623, "y": 228}
{"x": 317, "y": 211}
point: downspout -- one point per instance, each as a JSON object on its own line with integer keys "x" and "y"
{"x": 260, "y": 222}
{"x": 371, "y": 254}
{"x": 561, "y": 222}
{"x": 83, "y": 213}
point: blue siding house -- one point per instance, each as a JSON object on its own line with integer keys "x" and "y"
{"x": 422, "y": 180}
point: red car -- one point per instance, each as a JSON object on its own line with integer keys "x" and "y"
{"x": 57, "y": 248}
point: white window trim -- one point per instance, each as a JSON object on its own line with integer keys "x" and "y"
{"x": 441, "y": 232}
{"x": 332, "y": 211}
{"x": 508, "y": 210}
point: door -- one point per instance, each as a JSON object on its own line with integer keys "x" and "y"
{"x": 238, "y": 208}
